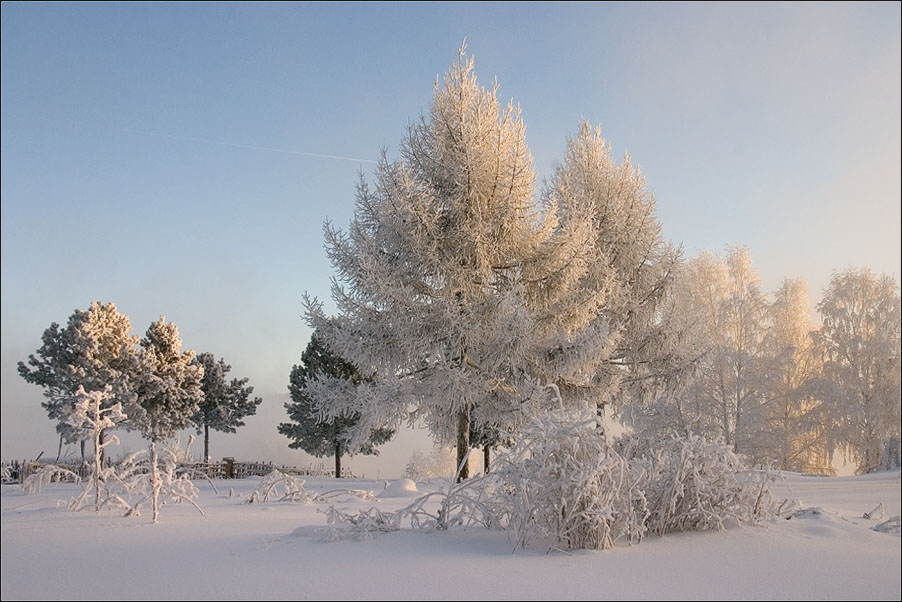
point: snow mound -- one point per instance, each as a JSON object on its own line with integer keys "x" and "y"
{"x": 400, "y": 488}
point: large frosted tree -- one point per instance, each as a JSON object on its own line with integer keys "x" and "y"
{"x": 860, "y": 340}
{"x": 168, "y": 388}
{"x": 324, "y": 437}
{"x": 94, "y": 350}
{"x": 464, "y": 296}
{"x": 226, "y": 402}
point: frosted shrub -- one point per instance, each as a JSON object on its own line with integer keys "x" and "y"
{"x": 565, "y": 481}
{"x": 363, "y": 526}
{"x": 43, "y": 476}
{"x": 693, "y": 485}
{"x": 292, "y": 489}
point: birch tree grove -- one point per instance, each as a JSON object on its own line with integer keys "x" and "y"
{"x": 860, "y": 340}
{"x": 461, "y": 295}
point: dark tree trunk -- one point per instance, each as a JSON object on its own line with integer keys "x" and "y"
{"x": 82, "y": 446}
{"x": 463, "y": 443}
{"x": 206, "y": 443}
{"x": 101, "y": 438}
{"x": 486, "y": 452}
{"x": 59, "y": 452}
{"x": 337, "y": 460}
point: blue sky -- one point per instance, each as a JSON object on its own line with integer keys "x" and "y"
{"x": 135, "y": 166}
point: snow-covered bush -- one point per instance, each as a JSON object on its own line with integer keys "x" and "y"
{"x": 282, "y": 487}
{"x": 691, "y": 484}
{"x": 43, "y": 476}
{"x": 128, "y": 484}
{"x": 363, "y": 525}
{"x": 565, "y": 481}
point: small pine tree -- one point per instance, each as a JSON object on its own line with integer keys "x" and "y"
{"x": 225, "y": 403}
{"x": 169, "y": 391}
{"x": 322, "y": 438}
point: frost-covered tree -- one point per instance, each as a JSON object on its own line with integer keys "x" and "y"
{"x": 795, "y": 434}
{"x": 94, "y": 350}
{"x": 328, "y": 437}
{"x": 90, "y": 415}
{"x": 628, "y": 275}
{"x": 466, "y": 298}
{"x": 225, "y": 403}
{"x": 168, "y": 388}
{"x": 723, "y": 397}
{"x": 860, "y": 340}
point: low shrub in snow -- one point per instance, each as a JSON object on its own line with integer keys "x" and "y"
{"x": 565, "y": 482}
{"x": 282, "y": 487}
{"x": 691, "y": 484}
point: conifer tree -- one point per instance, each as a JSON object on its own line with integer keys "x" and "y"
{"x": 94, "y": 350}
{"x": 225, "y": 403}
{"x": 168, "y": 388}
{"x": 306, "y": 430}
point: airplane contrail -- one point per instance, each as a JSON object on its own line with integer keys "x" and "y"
{"x": 247, "y": 146}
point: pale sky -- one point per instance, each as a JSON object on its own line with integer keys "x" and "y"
{"x": 180, "y": 159}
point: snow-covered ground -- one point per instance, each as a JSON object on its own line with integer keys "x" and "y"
{"x": 272, "y": 551}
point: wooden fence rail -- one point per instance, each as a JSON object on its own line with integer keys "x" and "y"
{"x": 228, "y": 468}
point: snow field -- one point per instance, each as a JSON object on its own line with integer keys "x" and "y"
{"x": 272, "y": 551}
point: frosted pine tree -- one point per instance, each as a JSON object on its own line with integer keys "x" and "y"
{"x": 225, "y": 403}
{"x": 168, "y": 388}
{"x": 324, "y": 437}
{"x": 95, "y": 349}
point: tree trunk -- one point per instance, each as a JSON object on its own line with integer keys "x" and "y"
{"x": 98, "y": 462}
{"x": 82, "y": 446}
{"x": 100, "y": 440}
{"x": 463, "y": 443}
{"x": 486, "y": 451}
{"x": 337, "y": 460}
{"x": 59, "y": 452}
{"x": 206, "y": 443}
{"x": 156, "y": 482}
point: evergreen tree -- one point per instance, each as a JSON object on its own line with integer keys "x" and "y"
{"x": 168, "y": 388}
{"x": 93, "y": 351}
{"x": 329, "y": 436}
{"x": 225, "y": 403}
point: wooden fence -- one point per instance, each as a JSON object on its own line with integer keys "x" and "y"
{"x": 228, "y": 468}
